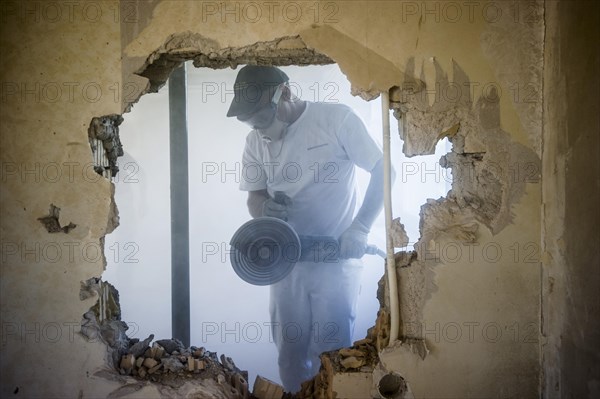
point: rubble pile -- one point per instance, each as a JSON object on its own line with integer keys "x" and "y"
{"x": 360, "y": 357}
{"x": 320, "y": 386}
{"x": 168, "y": 362}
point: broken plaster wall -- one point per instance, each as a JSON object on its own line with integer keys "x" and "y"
{"x": 57, "y": 74}
{"x": 375, "y": 44}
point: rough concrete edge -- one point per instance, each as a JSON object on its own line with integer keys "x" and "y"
{"x": 310, "y": 47}
{"x": 461, "y": 221}
{"x": 207, "y": 52}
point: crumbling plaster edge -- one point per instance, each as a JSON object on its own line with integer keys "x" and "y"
{"x": 206, "y": 52}
{"x": 312, "y": 46}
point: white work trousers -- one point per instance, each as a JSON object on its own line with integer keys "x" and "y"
{"x": 313, "y": 311}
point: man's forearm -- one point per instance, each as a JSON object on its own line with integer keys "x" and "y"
{"x": 373, "y": 201}
{"x": 255, "y": 202}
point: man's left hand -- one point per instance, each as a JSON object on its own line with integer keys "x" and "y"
{"x": 353, "y": 241}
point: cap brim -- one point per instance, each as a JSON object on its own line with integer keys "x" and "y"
{"x": 243, "y": 104}
{"x": 239, "y": 107}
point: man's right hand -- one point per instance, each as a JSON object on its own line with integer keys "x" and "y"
{"x": 274, "y": 209}
{"x": 277, "y": 207}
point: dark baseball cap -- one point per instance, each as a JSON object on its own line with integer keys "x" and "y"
{"x": 251, "y": 83}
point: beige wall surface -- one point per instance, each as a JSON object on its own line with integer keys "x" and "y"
{"x": 477, "y": 310}
{"x": 60, "y": 68}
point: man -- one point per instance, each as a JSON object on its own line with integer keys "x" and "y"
{"x": 308, "y": 151}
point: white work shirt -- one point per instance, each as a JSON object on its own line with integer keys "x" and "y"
{"x": 313, "y": 164}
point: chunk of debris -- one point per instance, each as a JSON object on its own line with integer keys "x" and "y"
{"x": 127, "y": 361}
{"x": 157, "y": 351}
{"x": 155, "y": 368}
{"x": 227, "y": 362}
{"x": 266, "y": 389}
{"x": 352, "y": 362}
{"x": 150, "y": 362}
{"x": 347, "y": 352}
{"x": 139, "y": 348}
{"x": 199, "y": 352}
{"x": 398, "y": 233}
{"x": 198, "y": 365}
{"x": 170, "y": 345}
{"x": 172, "y": 364}
{"x": 241, "y": 385}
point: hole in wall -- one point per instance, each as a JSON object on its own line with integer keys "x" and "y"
{"x": 391, "y": 386}
{"x": 228, "y": 315}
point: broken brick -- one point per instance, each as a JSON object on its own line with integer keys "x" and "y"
{"x": 142, "y": 372}
{"x": 127, "y": 361}
{"x": 266, "y": 389}
{"x": 347, "y": 352}
{"x": 155, "y": 368}
{"x": 352, "y": 362}
{"x": 149, "y": 362}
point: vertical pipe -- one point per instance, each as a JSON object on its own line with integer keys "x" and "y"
{"x": 387, "y": 204}
{"x": 180, "y": 259}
